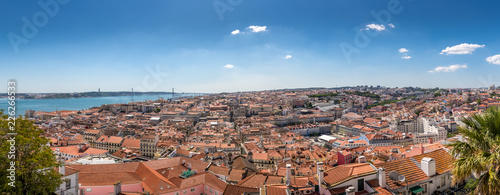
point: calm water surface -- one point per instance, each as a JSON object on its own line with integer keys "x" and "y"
{"x": 50, "y": 105}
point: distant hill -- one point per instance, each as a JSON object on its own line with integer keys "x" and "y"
{"x": 82, "y": 94}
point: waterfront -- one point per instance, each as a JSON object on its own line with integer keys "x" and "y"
{"x": 50, "y": 105}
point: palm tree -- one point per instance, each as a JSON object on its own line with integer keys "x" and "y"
{"x": 480, "y": 155}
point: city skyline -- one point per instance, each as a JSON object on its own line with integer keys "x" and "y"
{"x": 219, "y": 46}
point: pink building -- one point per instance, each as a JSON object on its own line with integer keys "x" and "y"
{"x": 156, "y": 177}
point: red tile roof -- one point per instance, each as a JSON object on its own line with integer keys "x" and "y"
{"x": 238, "y": 190}
{"x": 411, "y": 171}
{"x": 340, "y": 174}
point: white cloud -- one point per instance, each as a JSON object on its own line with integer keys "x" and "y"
{"x": 229, "y": 66}
{"x": 235, "y": 32}
{"x": 494, "y": 59}
{"x": 406, "y": 57}
{"x": 403, "y": 50}
{"x": 377, "y": 27}
{"x": 451, "y": 68}
{"x": 257, "y": 29}
{"x": 288, "y": 56}
{"x": 463, "y": 48}
{"x": 391, "y": 25}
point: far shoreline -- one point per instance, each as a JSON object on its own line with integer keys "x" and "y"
{"x": 94, "y": 94}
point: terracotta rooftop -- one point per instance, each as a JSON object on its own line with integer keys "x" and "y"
{"x": 115, "y": 140}
{"x": 261, "y": 156}
{"x": 92, "y": 131}
{"x": 236, "y": 175}
{"x": 340, "y": 174}
{"x": 239, "y": 190}
{"x": 219, "y": 170}
{"x": 99, "y": 179}
{"x": 442, "y": 157}
{"x": 253, "y": 181}
{"x": 257, "y": 180}
{"x": 131, "y": 143}
{"x": 411, "y": 171}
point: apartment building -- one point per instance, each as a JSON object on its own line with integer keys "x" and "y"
{"x": 148, "y": 145}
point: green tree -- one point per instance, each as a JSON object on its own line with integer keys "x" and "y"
{"x": 34, "y": 160}
{"x": 480, "y": 155}
{"x": 437, "y": 94}
{"x": 471, "y": 185}
{"x": 418, "y": 112}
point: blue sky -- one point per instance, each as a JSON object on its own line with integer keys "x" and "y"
{"x": 189, "y": 45}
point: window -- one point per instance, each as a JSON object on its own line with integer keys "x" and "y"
{"x": 424, "y": 186}
{"x": 216, "y": 193}
{"x": 177, "y": 193}
{"x": 210, "y": 190}
{"x": 193, "y": 189}
{"x": 206, "y": 188}
{"x": 184, "y": 191}
{"x": 68, "y": 184}
{"x": 361, "y": 184}
{"x": 443, "y": 181}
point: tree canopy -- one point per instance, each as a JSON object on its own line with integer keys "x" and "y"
{"x": 480, "y": 155}
{"x": 33, "y": 158}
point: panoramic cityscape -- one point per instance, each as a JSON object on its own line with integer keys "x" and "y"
{"x": 250, "y": 97}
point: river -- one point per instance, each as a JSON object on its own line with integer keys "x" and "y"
{"x": 50, "y": 105}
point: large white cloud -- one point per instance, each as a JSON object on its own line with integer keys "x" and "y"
{"x": 229, "y": 66}
{"x": 235, "y": 32}
{"x": 464, "y": 48}
{"x": 257, "y": 29}
{"x": 377, "y": 27}
{"x": 451, "y": 68}
{"x": 403, "y": 50}
{"x": 494, "y": 59}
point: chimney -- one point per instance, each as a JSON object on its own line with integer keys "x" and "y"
{"x": 288, "y": 174}
{"x": 321, "y": 177}
{"x": 118, "y": 187}
{"x": 421, "y": 148}
{"x": 350, "y": 191}
{"x": 381, "y": 177}
{"x": 62, "y": 169}
{"x": 361, "y": 159}
{"x": 319, "y": 166}
{"x": 428, "y": 166}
